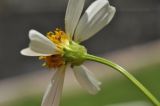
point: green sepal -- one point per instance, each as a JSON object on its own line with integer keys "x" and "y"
{"x": 74, "y": 53}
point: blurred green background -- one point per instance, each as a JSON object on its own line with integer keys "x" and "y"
{"x": 117, "y": 90}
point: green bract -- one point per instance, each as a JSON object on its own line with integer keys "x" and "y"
{"x": 75, "y": 53}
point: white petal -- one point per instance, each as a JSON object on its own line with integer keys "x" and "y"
{"x": 41, "y": 44}
{"x": 97, "y": 16}
{"x": 86, "y": 79}
{"x": 73, "y": 13}
{"x": 54, "y": 90}
{"x": 29, "y": 52}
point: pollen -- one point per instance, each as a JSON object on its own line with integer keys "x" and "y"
{"x": 60, "y": 39}
{"x": 53, "y": 61}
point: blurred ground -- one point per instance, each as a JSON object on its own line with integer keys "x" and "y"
{"x": 133, "y": 58}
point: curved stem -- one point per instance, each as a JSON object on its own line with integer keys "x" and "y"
{"x": 126, "y": 74}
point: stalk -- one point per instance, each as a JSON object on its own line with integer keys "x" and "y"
{"x": 129, "y": 76}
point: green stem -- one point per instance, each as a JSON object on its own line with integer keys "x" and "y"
{"x": 126, "y": 74}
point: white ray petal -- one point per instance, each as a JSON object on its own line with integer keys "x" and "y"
{"x": 86, "y": 79}
{"x": 29, "y": 52}
{"x": 41, "y": 44}
{"x": 73, "y": 13}
{"x": 54, "y": 90}
{"x": 97, "y": 16}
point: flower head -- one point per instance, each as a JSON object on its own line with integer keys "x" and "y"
{"x": 59, "y": 49}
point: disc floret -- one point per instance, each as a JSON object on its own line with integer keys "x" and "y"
{"x": 68, "y": 51}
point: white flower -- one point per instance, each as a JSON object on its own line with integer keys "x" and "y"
{"x": 51, "y": 49}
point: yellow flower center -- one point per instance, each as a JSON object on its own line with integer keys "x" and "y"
{"x": 53, "y": 61}
{"x": 60, "y": 39}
